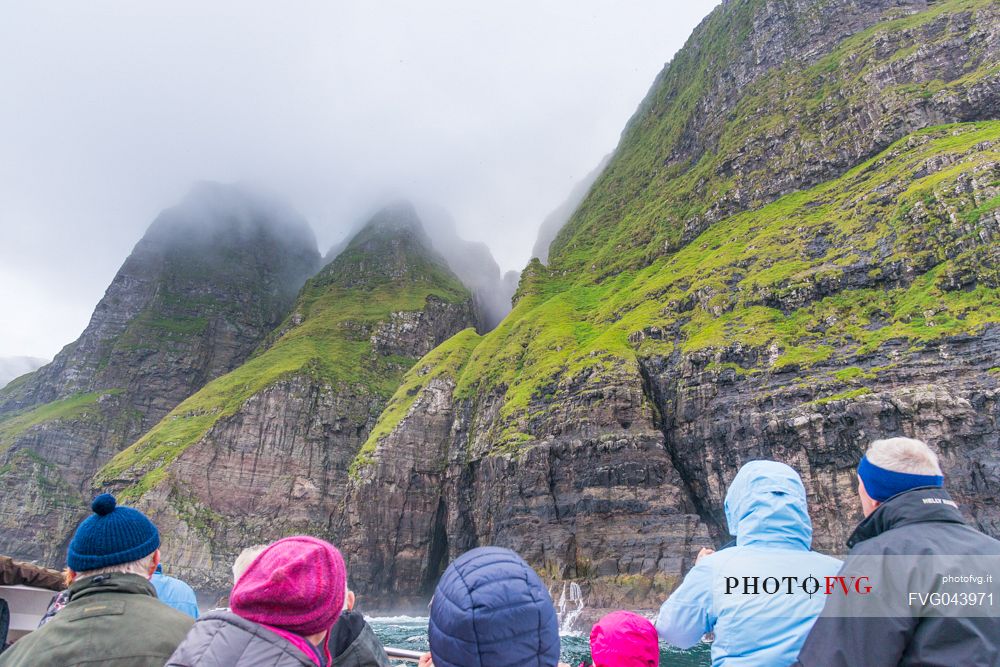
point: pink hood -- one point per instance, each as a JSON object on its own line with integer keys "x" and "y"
{"x": 624, "y": 639}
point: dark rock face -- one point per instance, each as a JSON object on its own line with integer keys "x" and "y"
{"x": 598, "y": 498}
{"x": 279, "y": 464}
{"x": 414, "y": 334}
{"x": 210, "y": 278}
{"x": 414, "y": 550}
{"x": 43, "y": 471}
{"x": 944, "y": 395}
{"x": 277, "y": 467}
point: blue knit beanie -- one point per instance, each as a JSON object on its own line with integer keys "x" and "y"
{"x": 882, "y": 484}
{"x": 112, "y": 535}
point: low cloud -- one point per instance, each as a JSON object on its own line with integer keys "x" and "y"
{"x": 112, "y": 109}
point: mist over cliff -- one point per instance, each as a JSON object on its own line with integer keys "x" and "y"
{"x": 471, "y": 261}
{"x": 267, "y": 448}
{"x": 208, "y": 281}
{"x": 12, "y": 367}
{"x": 558, "y": 218}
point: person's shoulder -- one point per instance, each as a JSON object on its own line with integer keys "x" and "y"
{"x": 44, "y": 646}
{"x": 980, "y": 543}
{"x": 172, "y": 587}
{"x": 159, "y": 612}
{"x": 191, "y": 649}
{"x": 358, "y": 646}
{"x": 220, "y": 621}
{"x": 16, "y": 655}
{"x": 178, "y": 583}
{"x": 826, "y": 560}
{"x": 184, "y": 586}
{"x": 718, "y": 558}
{"x": 878, "y": 545}
{"x": 927, "y": 537}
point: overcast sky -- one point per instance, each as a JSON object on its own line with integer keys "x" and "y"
{"x": 110, "y": 110}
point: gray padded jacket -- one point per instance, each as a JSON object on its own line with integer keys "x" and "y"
{"x": 222, "y": 639}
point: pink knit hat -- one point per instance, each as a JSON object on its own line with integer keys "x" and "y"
{"x": 624, "y": 639}
{"x": 296, "y": 584}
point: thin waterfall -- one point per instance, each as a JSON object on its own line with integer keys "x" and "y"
{"x": 571, "y": 604}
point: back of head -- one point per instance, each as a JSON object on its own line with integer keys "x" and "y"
{"x": 296, "y": 584}
{"x": 904, "y": 455}
{"x": 624, "y": 639}
{"x": 490, "y": 609}
{"x": 113, "y": 539}
{"x": 894, "y": 465}
{"x": 766, "y": 503}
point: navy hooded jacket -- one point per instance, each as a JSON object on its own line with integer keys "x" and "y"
{"x": 490, "y": 609}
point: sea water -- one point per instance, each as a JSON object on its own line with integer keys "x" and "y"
{"x": 410, "y": 632}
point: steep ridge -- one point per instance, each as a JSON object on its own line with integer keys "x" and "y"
{"x": 792, "y": 251}
{"x": 557, "y": 219}
{"x": 215, "y": 271}
{"x": 15, "y": 367}
{"x": 771, "y": 96}
{"x": 209, "y": 279}
{"x": 264, "y": 451}
{"x": 471, "y": 261}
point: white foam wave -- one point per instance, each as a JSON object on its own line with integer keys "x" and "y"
{"x": 398, "y": 620}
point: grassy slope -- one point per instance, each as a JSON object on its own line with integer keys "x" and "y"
{"x": 326, "y": 346}
{"x": 445, "y": 361}
{"x": 638, "y": 208}
{"x": 709, "y": 293}
{"x": 77, "y": 406}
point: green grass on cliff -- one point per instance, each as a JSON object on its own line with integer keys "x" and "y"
{"x": 445, "y": 361}
{"x": 77, "y": 406}
{"x": 843, "y": 396}
{"x": 331, "y": 345}
{"x": 776, "y": 278}
{"x": 636, "y": 212}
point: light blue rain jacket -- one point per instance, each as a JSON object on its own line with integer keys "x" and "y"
{"x": 766, "y": 511}
{"x": 175, "y": 593}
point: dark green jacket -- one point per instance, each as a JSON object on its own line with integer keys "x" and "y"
{"x": 111, "y": 619}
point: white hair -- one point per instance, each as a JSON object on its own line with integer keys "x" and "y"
{"x": 904, "y": 455}
{"x": 246, "y": 557}
{"x": 140, "y": 567}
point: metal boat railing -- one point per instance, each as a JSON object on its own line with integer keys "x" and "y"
{"x": 403, "y": 654}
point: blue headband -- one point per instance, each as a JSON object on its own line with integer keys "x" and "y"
{"x": 882, "y": 484}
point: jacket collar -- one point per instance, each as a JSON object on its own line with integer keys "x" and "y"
{"x": 114, "y": 582}
{"x": 913, "y": 506}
